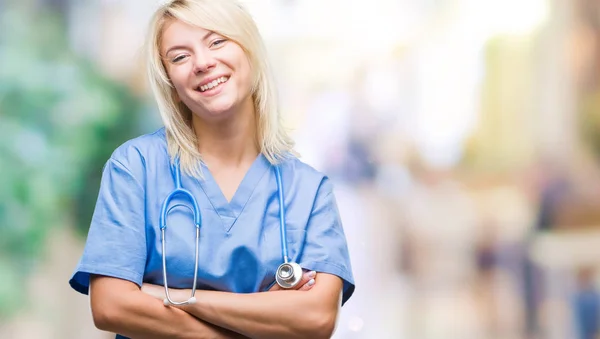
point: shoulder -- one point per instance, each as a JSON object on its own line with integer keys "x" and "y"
{"x": 306, "y": 176}
{"x": 135, "y": 153}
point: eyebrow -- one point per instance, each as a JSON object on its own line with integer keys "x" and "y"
{"x": 206, "y": 36}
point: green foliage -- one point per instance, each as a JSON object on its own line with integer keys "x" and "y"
{"x": 60, "y": 119}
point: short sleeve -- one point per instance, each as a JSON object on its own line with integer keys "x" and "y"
{"x": 116, "y": 242}
{"x": 326, "y": 249}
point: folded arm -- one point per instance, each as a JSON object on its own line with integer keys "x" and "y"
{"x": 120, "y": 306}
{"x": 285, "y": 314}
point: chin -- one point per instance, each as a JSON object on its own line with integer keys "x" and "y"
{"x": 220, "y": 110}
{"x": 217, "y": 113}
{"x": 214, "y": 109}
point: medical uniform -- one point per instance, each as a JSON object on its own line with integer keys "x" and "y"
{"x": 240, "y": 246}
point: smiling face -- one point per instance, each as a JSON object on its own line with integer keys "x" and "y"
{"x": 210, "y": 73}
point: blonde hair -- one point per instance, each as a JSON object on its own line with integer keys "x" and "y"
{"x": 231, "y": 20}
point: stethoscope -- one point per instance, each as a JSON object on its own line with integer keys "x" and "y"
{"x": 288, "y": 274}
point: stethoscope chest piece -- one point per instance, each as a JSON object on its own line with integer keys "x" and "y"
{"x": 288, "y": 275}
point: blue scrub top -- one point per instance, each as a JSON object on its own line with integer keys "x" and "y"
{"x": 240, "y": 246}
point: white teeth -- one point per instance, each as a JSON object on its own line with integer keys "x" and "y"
{"x": 213, "y": 84}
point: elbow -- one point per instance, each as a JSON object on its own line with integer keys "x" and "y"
{"x": 106, "y": 317}
{"x": 113, "y": 303}
{"x": 326, "y": 329}
{"x": 102, "y": 319}
{"x": 323, "y": 325}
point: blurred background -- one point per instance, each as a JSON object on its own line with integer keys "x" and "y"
{"x": 463, "y": 137}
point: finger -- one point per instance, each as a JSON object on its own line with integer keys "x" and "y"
{"x": 153, "y": 291}
{"x": 308, "y": 285}
{"x": 146, "y": 288}
{"x": 306, "y": 277}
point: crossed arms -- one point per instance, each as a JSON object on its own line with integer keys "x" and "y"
{"x": 122, "y": 307}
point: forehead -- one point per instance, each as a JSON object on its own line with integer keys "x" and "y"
{"x": 176, "y": 32}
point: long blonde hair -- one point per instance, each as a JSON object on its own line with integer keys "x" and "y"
{"x": 231, "y": 20}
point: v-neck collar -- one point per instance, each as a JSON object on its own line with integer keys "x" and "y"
{"x": 230, "y": 211}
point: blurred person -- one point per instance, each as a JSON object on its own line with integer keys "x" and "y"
{"x": 586, "y": 305}
{"x": 487, "y": 264}
{"x": 552, "y": 189}
{"x": 223, "y": 141}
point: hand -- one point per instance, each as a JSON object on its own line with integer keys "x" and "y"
{"x": 156, "y": 291}
{"x": 305, "y": 284}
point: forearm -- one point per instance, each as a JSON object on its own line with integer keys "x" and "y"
{"x": 283, "y": 314}
{"x": 143, "y": 317}
{"x": 134, "y": 314}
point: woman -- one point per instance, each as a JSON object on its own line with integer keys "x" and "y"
{"x": 223, "y": 134}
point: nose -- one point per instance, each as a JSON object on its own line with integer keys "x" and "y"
{"x": 204, "y": 62}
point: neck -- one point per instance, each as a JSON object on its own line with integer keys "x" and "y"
{"x": 228, "y": 142}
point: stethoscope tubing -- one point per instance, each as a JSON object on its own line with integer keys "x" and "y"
{"x": 282, "y": 226}
{"x": 195, "y": 209}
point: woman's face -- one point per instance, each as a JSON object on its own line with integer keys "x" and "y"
{"x": 210, "y": 73}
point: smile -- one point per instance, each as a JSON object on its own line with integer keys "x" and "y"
{"x": 213, "y": 84}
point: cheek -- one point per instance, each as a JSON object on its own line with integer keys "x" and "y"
{"x": 247, "y": 78}
{"x": 179, "y": 90}
{"x": 178, "y": 80}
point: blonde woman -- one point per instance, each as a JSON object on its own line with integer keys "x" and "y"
{"x": 224, "y": 143}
